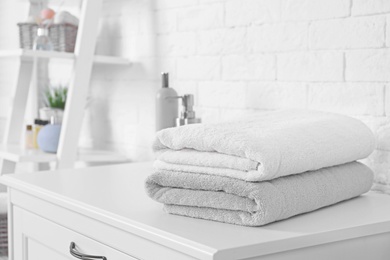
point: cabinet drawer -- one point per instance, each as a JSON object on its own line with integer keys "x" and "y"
{"x": 130, "y": 243}
{"x": 36, "y": 238}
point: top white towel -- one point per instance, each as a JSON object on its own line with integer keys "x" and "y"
{"x": 264, "y": 147}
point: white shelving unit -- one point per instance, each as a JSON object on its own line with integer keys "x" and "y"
{"x": 31, "y": 55}
{"x": 16, "y": 153}
{"x": 11, "y": 151}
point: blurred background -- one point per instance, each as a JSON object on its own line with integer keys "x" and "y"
{"x": 236, "y": 56}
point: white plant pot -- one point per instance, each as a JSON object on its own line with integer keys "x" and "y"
{"x": 46, "y": 113}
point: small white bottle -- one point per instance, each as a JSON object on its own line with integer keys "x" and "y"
{"x": 42, "y": 42}
{"x": 166, "y": 105}
{"x": 29, "y": 137}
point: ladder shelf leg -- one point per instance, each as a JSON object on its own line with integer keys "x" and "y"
{"x": 15, "y": 122}
{"x": 79, "y": 84}
{"x": 14, "y": 128}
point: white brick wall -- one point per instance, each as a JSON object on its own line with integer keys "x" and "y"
{"x": 221, "y": 41}
{"x": 367, "y": 65}
{"x": 276, "y": 95}
{"x": 367, "y": 7}
{"x": 298, "y": 10}
{"x": 8, "y": 39}
{"x": 354, "y": 33}
{"x": 246, "y": 12}
{"x": 248, "y": 67}
{"x": 200, "y": 17}
{"x": 347, "y": 98}
{"x": 198, "y": 68}
{"x": 278, "y": 37}
{"x": 329, "y": 55}
{"x": 237, "y": 57}
{"x": 310, "y": 66}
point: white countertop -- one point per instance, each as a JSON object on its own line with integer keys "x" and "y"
{"x": 116, "y": 196}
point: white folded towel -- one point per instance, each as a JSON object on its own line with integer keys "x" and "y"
{"x": 256, "y": 203}
{"x": 264, "y": 147}
{"x": 65, "y": 17}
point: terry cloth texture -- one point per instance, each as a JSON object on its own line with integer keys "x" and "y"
{"x": 264, "y": 147}
{"x": 239, "y": 202}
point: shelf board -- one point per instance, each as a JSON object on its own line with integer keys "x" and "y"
{"x": 31, "y": 54}
{"x": 16, "y": 153}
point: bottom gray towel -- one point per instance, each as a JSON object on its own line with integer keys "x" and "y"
{"x": 239, "y": 202}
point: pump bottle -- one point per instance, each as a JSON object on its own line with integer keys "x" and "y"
{"x": 166, "y": 105}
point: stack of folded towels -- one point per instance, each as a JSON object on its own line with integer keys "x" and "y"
{"x": 260, "y": 170}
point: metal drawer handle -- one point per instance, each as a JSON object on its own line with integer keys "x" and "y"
{"x": 81, "y": 256}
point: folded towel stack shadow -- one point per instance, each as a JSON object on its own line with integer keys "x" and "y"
{"x": 267, "y": 168}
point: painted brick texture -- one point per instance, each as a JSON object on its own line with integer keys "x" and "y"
{"x": 254, "y": 55}
{"x": 237, "y": 57}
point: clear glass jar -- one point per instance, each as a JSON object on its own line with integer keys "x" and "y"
{"x": 42, "y": 42}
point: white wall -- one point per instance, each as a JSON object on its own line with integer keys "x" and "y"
{"x": 240, "y": 56}
{"x": 8, "y": 39}
{"x": 120, "y": 115}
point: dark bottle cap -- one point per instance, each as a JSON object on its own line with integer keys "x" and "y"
{"x": 165, "y": 79}
{"x": 44, "y": 122}
{"x": 41, "y": 122}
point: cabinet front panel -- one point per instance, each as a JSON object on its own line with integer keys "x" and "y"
{"x": 39, "y": 251}
{"x": 118, "y": 239}
{"x": 374, "y": 247}
{"x": 37, "y": 238}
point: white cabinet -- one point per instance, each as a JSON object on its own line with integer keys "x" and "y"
{"x": 39, "y": 238}
{"x": 105, "y": 212}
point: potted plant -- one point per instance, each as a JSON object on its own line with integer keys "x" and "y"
{"x": 55, "y": 101}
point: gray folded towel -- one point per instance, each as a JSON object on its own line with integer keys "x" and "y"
{"x": 239, "y": 202}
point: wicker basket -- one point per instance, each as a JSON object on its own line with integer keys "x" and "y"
{"x": 63, "y": 36}
{"x": 3, "y": 235}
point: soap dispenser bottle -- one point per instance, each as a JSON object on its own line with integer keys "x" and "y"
{"x": 187, "y": 115}
{"x": 166, "y": 105}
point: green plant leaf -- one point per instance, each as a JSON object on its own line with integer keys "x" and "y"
{"x": 55, "y": 97}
